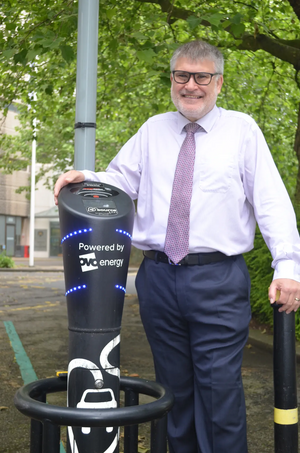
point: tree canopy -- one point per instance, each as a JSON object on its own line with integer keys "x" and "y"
{"x": 260, "y": 40}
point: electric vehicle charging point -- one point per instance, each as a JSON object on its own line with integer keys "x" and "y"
{"x": 96, "y": 222}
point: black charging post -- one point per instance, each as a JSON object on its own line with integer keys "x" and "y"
{"x": 285, "y": 383}
{"x": 96, "y": 222}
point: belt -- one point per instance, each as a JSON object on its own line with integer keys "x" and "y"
{"x": 191, "y": 259}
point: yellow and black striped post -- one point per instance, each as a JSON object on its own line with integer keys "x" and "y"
{"x": 285, "y": 383}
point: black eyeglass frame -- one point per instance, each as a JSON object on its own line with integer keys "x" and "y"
{"x": 194, "y": 74}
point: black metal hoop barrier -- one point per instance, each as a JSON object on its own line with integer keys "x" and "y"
{"x": 46, "y": 419}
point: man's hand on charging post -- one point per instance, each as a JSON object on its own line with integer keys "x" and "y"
{"x": 286, "y": 292}
{"x": 67, "y": 178}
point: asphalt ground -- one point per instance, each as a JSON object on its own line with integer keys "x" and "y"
{"x": 33, "y": 309}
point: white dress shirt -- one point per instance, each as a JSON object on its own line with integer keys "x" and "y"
{"x": 236, "y": 184}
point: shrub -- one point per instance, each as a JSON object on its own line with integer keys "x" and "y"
{"x": 261, "y": 274}
{"x": 6, "y": 261}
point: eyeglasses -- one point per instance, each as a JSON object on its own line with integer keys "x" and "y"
{"x": 201, "y": 78}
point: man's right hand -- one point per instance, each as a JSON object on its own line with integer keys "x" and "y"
{"x": 67, "y": 178}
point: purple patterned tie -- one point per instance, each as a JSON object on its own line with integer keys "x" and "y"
{"x": 177, "y": 236}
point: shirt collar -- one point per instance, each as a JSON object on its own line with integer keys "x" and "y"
{"x": 206, "y": 122}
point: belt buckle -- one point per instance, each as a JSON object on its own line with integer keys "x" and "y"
{"x": 172, "y": 263}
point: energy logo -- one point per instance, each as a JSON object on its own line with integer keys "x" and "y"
{"x": 88, "y": 262}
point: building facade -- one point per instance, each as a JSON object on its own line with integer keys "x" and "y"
{"x": 15, "y": 209}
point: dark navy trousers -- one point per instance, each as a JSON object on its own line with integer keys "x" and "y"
{"x": 196, "y": 320}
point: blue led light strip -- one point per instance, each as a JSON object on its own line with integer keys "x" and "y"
{"x": 124, "y": 232}
{"x": 74, "y": 233}
{"x": 76, "y": 288}
{"x": 121, "y": 287}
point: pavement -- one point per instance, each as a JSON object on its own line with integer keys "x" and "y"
{"x": 258, "y": 337}
{"x": 33, "y": 314}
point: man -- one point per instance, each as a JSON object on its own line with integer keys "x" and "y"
{"x": 196, "y": 313}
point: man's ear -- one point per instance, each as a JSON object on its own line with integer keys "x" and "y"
{"x": 220, "y": 83}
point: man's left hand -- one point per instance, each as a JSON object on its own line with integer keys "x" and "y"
{"x": 289, "y": 291}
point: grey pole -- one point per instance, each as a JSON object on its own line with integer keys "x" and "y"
{"x": 86, "y": 84}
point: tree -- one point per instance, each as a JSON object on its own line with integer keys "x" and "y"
{"x": 260, "y": 40}
{"x": 270, "y": 26}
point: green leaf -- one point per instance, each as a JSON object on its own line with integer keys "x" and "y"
{"x": 214, "y": 19}
{"x": 10, "y": 26}
{"x": 21, "y": 57}
{"x": 237, "y": 19}
{"x": 56, "y": 43}
{"x": 49, "y": 90}
{"x": 113, "y": 45}
{"x": 165, "y": 81}
{"x": 146, "y": 55}
{"x": 46, "y": 42}
{"x": 9, "y": 53}
{"x": 32, "y": 53}
{"x": 152, "y": 73}
{"x": 237, "y": 29}
{"x": 139, "y": 36}
{"x": 67, "y": 53}
{"x": 193, "y": 22}
{"x": 110, "y": 13}
{"x": 37, "y": 36}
